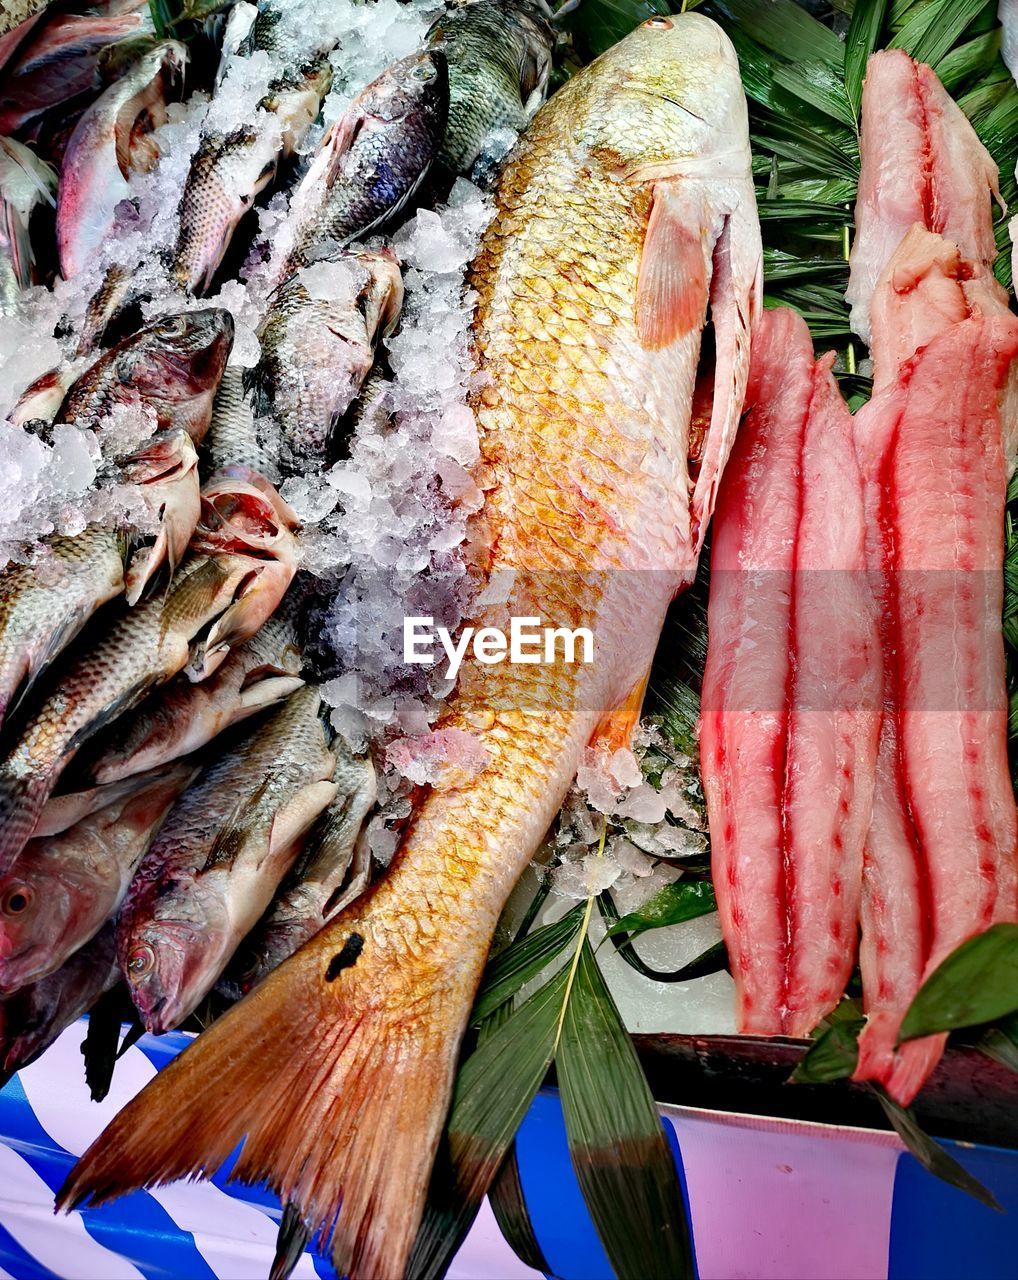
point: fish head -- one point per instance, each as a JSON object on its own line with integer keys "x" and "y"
{"x": 678, "y": 76}
{"x": 49, "y": 896}
{"x": 417, "y": 86}
{"x": 227, "y": 173}
{"x": 176, "y": 363}
{"x": 172, "y": 963}
{"x": 296, "y": 100}
{"x": 244, "y": 517}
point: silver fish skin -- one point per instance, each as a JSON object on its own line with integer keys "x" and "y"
{"x": 229, "y": 170}
{"x": 184, "y": 717}
{"x": 222, "y": 852}
{"x": 232, "y": 438}
{"x": 104, "y": 304}
{"x": 332, "y": 870}
{"x": 171, "y": 368}
{"x": 45, "y": 603}
{"x": 370, "y": 162}
{"x": 275, "y": 30}
{"x": 318, "y": 345}
{"x": 241, "y": 562}
{"x": 499, "y": 54}
{"x": 32, "y": 1018}
{"x": 62, "y": 889}
{"x": 25, "y": 183}
{"x": 110, "y": 142}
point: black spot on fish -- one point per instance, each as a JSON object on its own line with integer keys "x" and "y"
{"x": 346, "y": 958}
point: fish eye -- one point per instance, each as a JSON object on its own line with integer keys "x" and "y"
{"x": 659, "y": 23}
{"x": 141, "y": 961}
{"x": 16, "y": 900}
{"x": 423, "y": 72}
{"x": 173, "y": 326}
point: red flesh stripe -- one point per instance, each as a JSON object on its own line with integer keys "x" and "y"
{"x": 789, "y": 719}
{"x": 940, "y": 861}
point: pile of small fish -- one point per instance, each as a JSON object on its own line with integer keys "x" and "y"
{"x": 175, "y": 810}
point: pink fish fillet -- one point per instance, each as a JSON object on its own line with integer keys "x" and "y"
{"x": 790, "y": 707}
{"x": 940, "y": 862}
{"x": 930, "y": 168}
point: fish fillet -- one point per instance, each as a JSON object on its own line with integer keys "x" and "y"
{"x": 789, "y": 711}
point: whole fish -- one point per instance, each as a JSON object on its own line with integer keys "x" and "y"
{"x": 233, "y": 438}
{"x": 45, "y": 603}
{"x": 627, "y": 204}
{"x": 184, "y": 716}
{"x": 499, "y": 55}
{"x": 110, "y": 142}
{"x": 25, "y": 183}
{"x": 332, "y": 870}
{"x": 214, "y": 867}
{"x": 318, "y": 345}
{"x": 171, "y": 368}
{"x": 230, "y": 169}
{"x": 370, "y": 163}
{"x": 63, "y": 888}
{"x": 58, "y": 64}
{"x": 32, "y": 1018}
{"x": 242, "y": 559}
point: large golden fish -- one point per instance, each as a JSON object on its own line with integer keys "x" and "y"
{"x": 626, "y": 207}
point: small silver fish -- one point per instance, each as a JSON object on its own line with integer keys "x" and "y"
{"x": 218, "y": 859}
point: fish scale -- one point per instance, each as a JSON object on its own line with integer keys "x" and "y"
{"x": 584, "y": 417}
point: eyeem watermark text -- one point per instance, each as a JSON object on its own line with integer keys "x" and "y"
{"x": 527, "y": 642}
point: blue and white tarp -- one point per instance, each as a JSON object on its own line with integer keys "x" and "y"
{"x": 768, "y": 1199}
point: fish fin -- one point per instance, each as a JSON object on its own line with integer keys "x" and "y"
{"x": 671, "y": 292}
{"x": 616, "y": 728}
{"x": 230, "y": 835}
{"x": 265, "y": 693}
{"x": 63, "y": 811}
{"x": 335, "y": 1072}
{"x": 296, "y": 818}
{"x": 736, "y": 299}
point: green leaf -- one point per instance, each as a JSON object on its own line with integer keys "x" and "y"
{"x": 931, "y": 1155}
{"x": 804, "y": 146}
{"x": 675, "y": 903}
{"x": 616, "y": 1141}
{"x": 977, "y": 983}
{"x": 601, "y": 23}
{"x": 863, "y": 35}
{"x": 833, "y": 1055}
{"x": 930, "y": 32}
{"x": 494, "y": 1088}
{"x": 521, "y": 962}
{"x": 969, "y": 60}
{"x": 780, "y": 266}
{"x": 509, "y": 1206}
{"x": 803, "y": 211}
{"x": 819, "y": 85}
{"x": 784, "y": 28}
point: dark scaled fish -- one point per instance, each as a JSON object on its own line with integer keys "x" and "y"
{"x": 184, "y": 717}
{"x": 112, "y": 140}
{"x": 233, "y": 438}
{"x": 219, "y": 858}
{"x": 242, "y": 559}
{"x": 332, "y": 870}
{"x": 32, "y": 1018}
{"x": 499, "y": 56}
{"x": 45, "y": 602}
{"x": 318, "y": 345}
{"x": 370, "y": 163}
{"x": 171, "y": 368}
{"x": 230, "y": 169}
{"x": 63, "y": 888}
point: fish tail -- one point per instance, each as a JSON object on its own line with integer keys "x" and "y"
{"x": 335, "y": 1071}
{"x": 902, "y": 1069}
